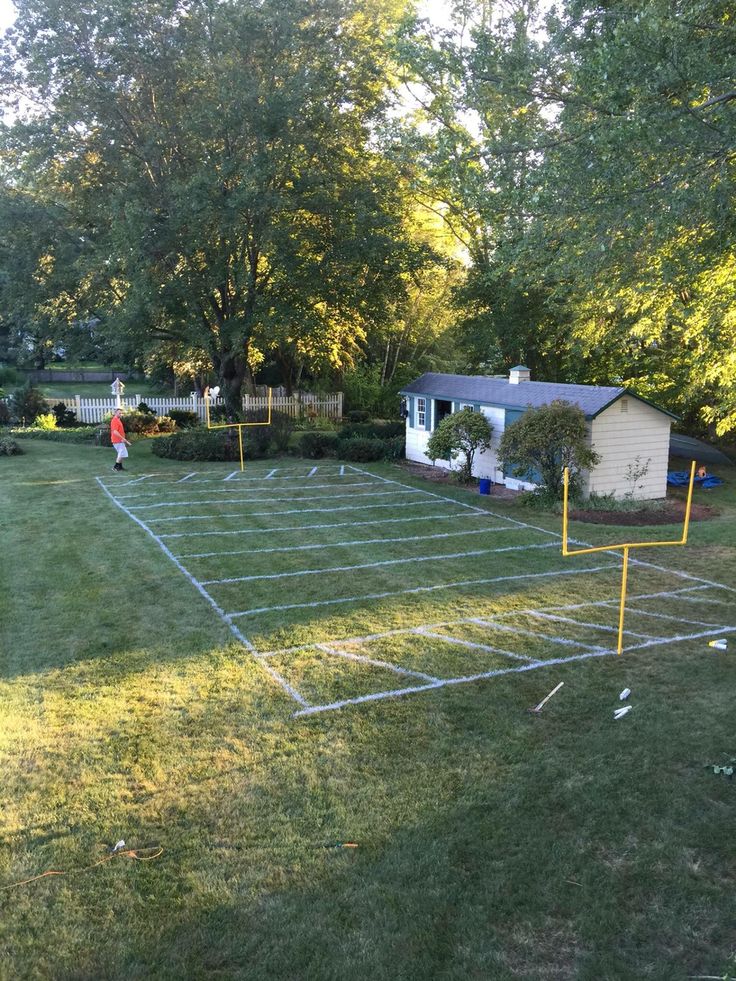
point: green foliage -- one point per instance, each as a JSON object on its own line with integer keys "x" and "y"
{"x": 542, "y": 442}
{"x": 5, "y": 416}
{"x": 377, "y": 429}
{"x": 46, "y": 421}
{"x": 75, "y": 434}
{"x": 27, "y": 403}
{"x": 9, "y": 376}
{"x": 183, "y": 418}
{"x": 358, "y": 415}
{"x": 464, "y": 432}
{"x": 315, "y": 445}
{"x": 204, "y": 444}
{"x": 362, "y": 449}
{"x": 146, "y": 408}
{"x": 64, "y": 417}
{"x": 280, "y": 430}
{"x": 9, "y": 447}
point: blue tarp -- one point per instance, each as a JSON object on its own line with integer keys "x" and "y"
{"x": 681, "y": 478}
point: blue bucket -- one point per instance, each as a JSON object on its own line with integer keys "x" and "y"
{"x": 484, "y": 485}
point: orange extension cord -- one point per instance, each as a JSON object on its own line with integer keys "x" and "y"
{"x": 134, "y": 853}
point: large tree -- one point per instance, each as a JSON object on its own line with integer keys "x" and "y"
{"x": 218, "y": 159}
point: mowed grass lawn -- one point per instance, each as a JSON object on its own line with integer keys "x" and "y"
{"x": 216, "y": 679}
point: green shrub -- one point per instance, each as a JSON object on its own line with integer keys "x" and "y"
{"x": 183, "y": 418}
{"x": 46, "y": 420}
{"x": 362, "y": 449}
{"x": 315, "y": 444}
{"x": 10, "y": 376}
{"x": 64, "y": 417}
{"x": 206, "y": 444}
{"x": 144, "y": 407}
{"x": 4, "y": 414}
{"x": 76, "y": 434}
{"x": 358, "y": 415}
{"x": 27, "y": 403}
{"x": 9, "y": 447}
{"x": 377, "y": 429}
{"x": 280, "y": 430}
{"x": 165, "y": 424}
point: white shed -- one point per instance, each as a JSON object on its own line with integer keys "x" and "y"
{"x": 629, "y": 433}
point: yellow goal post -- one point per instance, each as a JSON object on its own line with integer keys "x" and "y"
{"x": 240, "y": 426}
{"x": 624, "y": 546}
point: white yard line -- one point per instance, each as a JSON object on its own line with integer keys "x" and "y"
{"x": 668, "y": 616}
{"x": 203, "y": 592}
{"x": 421, "y": 589}
{"x": 374, "y": 565}
{"x": 258, "y": 514}
{"x": 491, "y": 619}
{"x": 556, "y": 618}
{"x": 187, "y": 477}
{"x": 481, "y": 676}
{"x": 272, "y": 500}
{"x": 514, "y": 629}
{"x": 351, "y": 656}
{"x": 229, "y": 491}
{"x": 364, "y": 541}
{"x": 457, "y": 641}
{"x": 336, "y": 524}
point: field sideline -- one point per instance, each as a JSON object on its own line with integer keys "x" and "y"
{"x": 247, "y": 671}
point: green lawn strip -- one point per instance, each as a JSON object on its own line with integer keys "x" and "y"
{"x": 493, "y": 843}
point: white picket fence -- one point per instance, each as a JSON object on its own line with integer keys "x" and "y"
{"x": 302, "y": 405}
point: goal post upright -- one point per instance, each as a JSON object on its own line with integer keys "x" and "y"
{"x": 623, "y": 546}
{"x": 236, "y": 425}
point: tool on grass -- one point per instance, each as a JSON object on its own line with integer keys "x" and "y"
{"x": 624, "y": 694}
{"x": 538, "y": 708}
{"x": 342, "y": 844}
{"x": 621, "y": 712}
{"x": 720, "y": 645}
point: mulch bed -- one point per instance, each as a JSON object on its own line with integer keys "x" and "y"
{"x": 672, "y": 512}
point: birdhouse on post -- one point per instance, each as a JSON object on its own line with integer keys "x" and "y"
{"x": 117, "y": 388}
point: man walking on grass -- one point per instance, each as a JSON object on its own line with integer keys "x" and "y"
{"x": 117, "y": 438}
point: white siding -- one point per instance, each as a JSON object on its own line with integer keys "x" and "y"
{"x": 619, "y": 437}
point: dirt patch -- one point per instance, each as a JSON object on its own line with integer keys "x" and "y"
{"x": 671, "y": 513}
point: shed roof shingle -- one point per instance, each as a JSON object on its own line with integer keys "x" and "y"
{"x": 592, "y": 399}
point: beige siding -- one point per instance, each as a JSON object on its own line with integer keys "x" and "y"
{"x": 619, "y": 437}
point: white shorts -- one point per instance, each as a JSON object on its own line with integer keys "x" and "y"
{"x": 121, "y": 449}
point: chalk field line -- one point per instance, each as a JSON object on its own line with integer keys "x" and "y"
{"x": 431, "y": 682}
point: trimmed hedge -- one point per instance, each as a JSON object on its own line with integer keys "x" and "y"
{"x": 76, "y": 434}
{"x": 316, "y": 444}
{"x": 208, "y": 444}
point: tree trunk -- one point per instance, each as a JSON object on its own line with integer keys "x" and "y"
{"x": 231, "y": 372}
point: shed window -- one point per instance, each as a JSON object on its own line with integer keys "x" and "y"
{"x": 421, "y": 413}
{"x": 624, "y": 405}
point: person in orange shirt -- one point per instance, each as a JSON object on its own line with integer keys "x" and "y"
{"x": 117, "y": 438}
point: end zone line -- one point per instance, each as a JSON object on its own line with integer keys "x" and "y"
{"x": 358, "y": 700}
{"x": 375, "y": 565}
{"x": 250, "y": 500}
{"x": 421, "y": 589}
{"x": 368, "y": 638}
{"x": 331, "y": 524}
{"x": 203, "y": 592}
